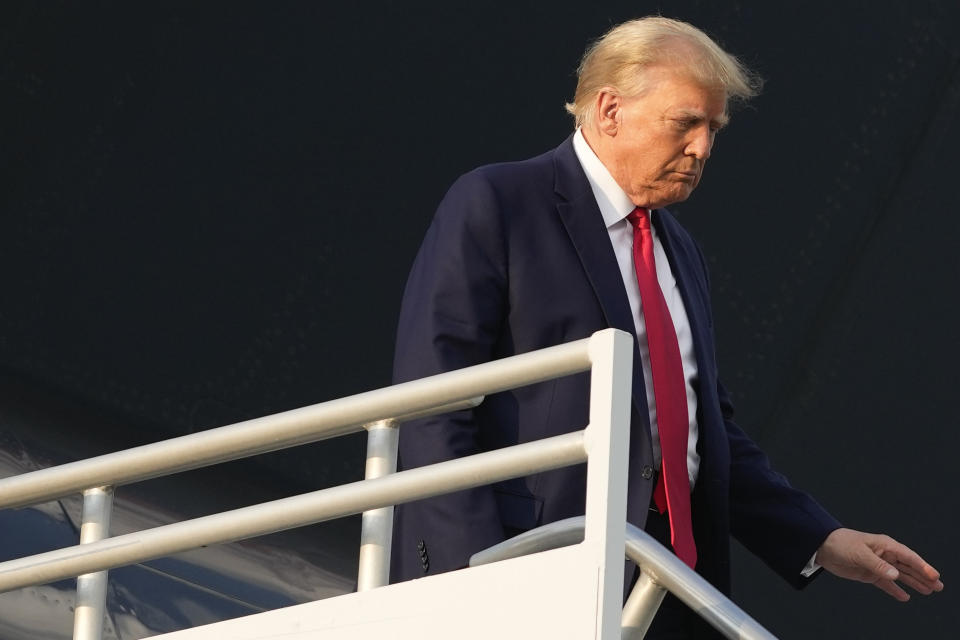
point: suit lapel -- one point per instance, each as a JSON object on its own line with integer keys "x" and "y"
{"x": 691, "y": 281}
{"x": 692, "y": 286}
{"x": 583, "y": 222}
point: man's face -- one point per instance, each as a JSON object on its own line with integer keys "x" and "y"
{"x": 664, "y": 136}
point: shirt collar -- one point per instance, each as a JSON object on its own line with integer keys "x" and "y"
{"x": 613, "y": 201}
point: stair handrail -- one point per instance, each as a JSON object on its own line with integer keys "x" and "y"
{"x": 607, "y": 355}
{"x": 660, "y": 571}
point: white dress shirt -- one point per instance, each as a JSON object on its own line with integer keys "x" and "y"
{"x": 615, "y": 206}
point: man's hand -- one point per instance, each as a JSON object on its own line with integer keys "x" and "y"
{"x": 878, "y": 560}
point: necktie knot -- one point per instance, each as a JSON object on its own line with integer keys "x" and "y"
{"x": 640, "y": 218}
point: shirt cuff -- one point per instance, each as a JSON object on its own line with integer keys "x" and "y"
{"x": 812, "y": 566}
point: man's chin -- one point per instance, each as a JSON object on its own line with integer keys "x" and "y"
{"x": 675, "y": 196}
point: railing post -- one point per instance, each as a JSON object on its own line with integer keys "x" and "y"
{"x": 641, "y": 606}
{"x": 91, "y": 606}
{"x": 607, "y": 439}
{"x": 376, "y": 533}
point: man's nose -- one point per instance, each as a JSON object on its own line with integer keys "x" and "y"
{"x": 700, "y": 144}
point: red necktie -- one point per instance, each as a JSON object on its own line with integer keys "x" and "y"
{"x": 669, "y": 391}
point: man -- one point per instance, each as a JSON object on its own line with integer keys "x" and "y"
{"x": 525, "y": 255}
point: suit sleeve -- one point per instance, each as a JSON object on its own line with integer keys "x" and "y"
{"x": 778, "y": 523}
{"x": 781, "y": 525}
{"x": 452, "y": 314}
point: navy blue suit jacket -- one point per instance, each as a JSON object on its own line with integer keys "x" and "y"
{"x": 518, "y": 258}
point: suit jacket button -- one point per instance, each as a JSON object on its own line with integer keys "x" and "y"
{"x": 646, "y": 472}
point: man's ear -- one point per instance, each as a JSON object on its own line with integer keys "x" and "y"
{"x": 608, "y": 106}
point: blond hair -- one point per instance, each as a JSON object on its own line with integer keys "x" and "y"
{"x": 618, "y": 59}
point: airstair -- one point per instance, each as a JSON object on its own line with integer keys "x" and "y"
{"x": 563, "y": 580}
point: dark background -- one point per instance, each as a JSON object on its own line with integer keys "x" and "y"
{"x": 207, "y": 213}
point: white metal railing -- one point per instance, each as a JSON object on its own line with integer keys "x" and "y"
{"x": 607, "y": 355}
{"x": 96, "y": 477}
{"x": 660, "y": 571}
